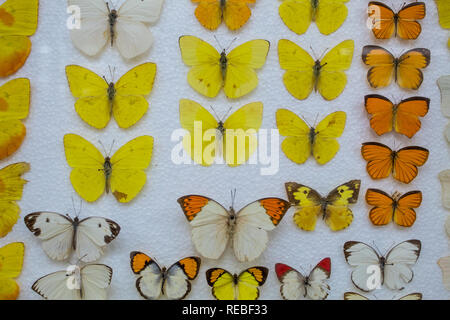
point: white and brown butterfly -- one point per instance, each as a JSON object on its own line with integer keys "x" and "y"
{"x": 61, "y": 235}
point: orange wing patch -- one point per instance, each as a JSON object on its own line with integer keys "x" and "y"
{"x": 190, "y": 266}
{"x": 407, "y": 160}
{"x": 275, "y": 208}
{"x": 192, "y": 205}
{"x": 379, "y": 159}
{"x": 139, "y": 261}
{"x": 260, "y": 274}
{"x": 404, "y": 214}
{"x": 407, "y": 26}
{"x": 382, "y": 17}
{"x": 212, "y": 275}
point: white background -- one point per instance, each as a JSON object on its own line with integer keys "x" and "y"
{"x": 154, "y": 222}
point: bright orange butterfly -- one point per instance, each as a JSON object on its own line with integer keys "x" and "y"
{"x": 235, "y": 13}
{"x": 402, "y": 117}
{"x": 399, "y": 208}
{"x": 405, "y": 70}
{"x": 403, "y": 163}
{"x": 385, "y": 22}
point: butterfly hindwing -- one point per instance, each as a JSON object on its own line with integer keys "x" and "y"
{"x": 11, "y": 262}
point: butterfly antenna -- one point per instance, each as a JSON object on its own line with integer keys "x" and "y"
{"x": 231, "y": 42}
{"x": 218, "y": 42}
{"x": 226, "y": 114}
{"x": 307, "y": 122}
{"x": 104, "y": 78}
{"x": 103, "y": 147}
{"x": 215, "y": 113}
{"x": 315, "y": 120}
{"x": 233, "y": 197}
{"x": 73, "y": 206}
{"x": 313, "y": 52}
{"x": 110, "y": 148}
{"x": 323, "y": 54}
{"x": 376, "y": 248}
{"x": 81, "y": 208}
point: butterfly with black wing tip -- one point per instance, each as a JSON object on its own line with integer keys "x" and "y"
{"x": 154, "y": 281}
{"x": 373, "y": 270}
{"x": 61, "y": 235}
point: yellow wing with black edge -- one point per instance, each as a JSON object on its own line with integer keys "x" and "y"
{"x": 307, "y": 202}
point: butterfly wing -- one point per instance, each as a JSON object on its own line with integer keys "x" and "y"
{"x": 11, "y": 256}
{"x": 299, "y": 78}
{"x": 296, "y": 15}
{"x": 87, "y": 163}
{"x": 447, "y": 226}
{"x": 307, "y": 202}
{"x": 332, "y": 78}
{"x": 205, "y": 75}
{"x": 249, "y": 282}
{"x": 407, "y": 161}
{"x": 129, "y": 104}
{"x": 54, "y": 286}
{"x": 318, "y": 288}
{"x": 383, "y": 207}
{"x": 409, "y": 75}
{"x": 197, "y": 121}
{"x": 240, "y": 76}
{"x": 94, "y": 32}
{"x": 56, "y": 232}
{"x": 444, "y": 15}
{"x": 19, "y": 20}
{"x": 404, "y": 215}
{"x": 381, "y": 110}
{"x": 407, "y": 120}
{"x": 222, "y": 283}
{"x": 444, "y": 177}
{"x": 362, "y": 257}
{"x": 177, "y": 285}
{"x": 240, "y": 140}
{"x": 208, "y": 13}
{"x": 444, "y": 264}
{"x": 330, "y": 15}
{"x": 209, "y": 222}
{"x": 382, "y": 66}
{"x": 379, "y": 159}
{"x": 91, "y": 91}
{"x": 150, "y": 279}
{"x": 397, "y": 270}
{"x": 354, "y": 296}
{"x": 12, "y": 182}
{"x": 128, "y": 164}
{"x": 382, "y": 20}
{"x": 292, "y": 282}
{"x": 95, "y": 279}
{"x": 338, "y": 215}
{"x": 325, "y": 145}
{"x": 407, "y": 26}
{"x": 252, "y": 223}
{"x": 93, "y": 234}
{"x": 297, "y": 144}
{"x": 412, "y": 296}
{"x": 444, "y": 86}
{"x": 236, "y": 13}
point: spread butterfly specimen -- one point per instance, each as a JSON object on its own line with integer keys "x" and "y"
{"x": 89, "y": 282}
{"x": 302, "y": 141}
{"x": 402, "y": 117}
{"x": 295, "y": 286}
{"x": 397, "y": 207}
{"x": 444, "y": 264}
{"x": 211, "y": 70}
{"x": 234, "y": 138}
{"x": 404, "y": 70}
{"x": 127, "y": 27}
{"x": 328, "y": 15}
{"x": 372, "y": 270}
{"x": 444, "y": 178}
{"x": 154, "y": 281}
{"x": 211, "y": 13}
{"x": 228, "y": 286}
{"x": 403, "y": 163}
{"x": 444, "y": 86}
{"x": 334, "y": 208}
{"x": 386, "y": 23}
{"x": 18, "y": 21}
{"x": 14, "y": 107}
{"x": 213, "y": 225}
{"x": 303, "y": 74}
{"x": 357, "y": 296}
{"x": 98, "y": 99}
{"x": 12, "y": 184}
{"x": 444, "y": 15}
{"x": 61, "y": 235}
{"x": 93, "y": 174}
{"x": 11, "y": 262}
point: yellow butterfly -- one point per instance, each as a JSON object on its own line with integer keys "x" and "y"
{"x": 329, "y": 15}
{"x": 93, "y": 173}
{"x": 14, "y": 106}
{"x": 303, "y": 74}
{"x": 302, "y": 141}
{"x": 334, "y": 208}
{"x": 98, "y": 99}
{"x": 212, "y": 70}
{"x": 11, "y": 261}
{"x": 444, "y": 15}
{"x": 245, "y": 286}
{"x": 11, "y": 187}
{"x": 206, "y": 135}
{"x": 18, "y": 20}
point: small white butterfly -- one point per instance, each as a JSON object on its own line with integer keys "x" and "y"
{"x": 126, "y": 27}
{"x": 61, "y": 235}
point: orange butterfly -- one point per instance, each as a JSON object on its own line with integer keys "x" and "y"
{"x": 385, "y": 22}
{"x": 402, "y": 117}
{"x": 402, "y": 163}
{"x": 399, "y": 208}
{"x": 235, "y": 13}
{"x": 405, "y": 70}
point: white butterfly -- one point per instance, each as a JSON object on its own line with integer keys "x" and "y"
{"x": 372, "y": 270}
{"x": 296, "y": 286}
{"x": 444, "y": 177}
{"x": 154, "y": 281}
{"x": 60, "y": 235}
{"x": 444, "y": 264}
{"x": 357, "y": 296}
{"x": 76, "y": 283}
{"x": 127, "y": 27}
{"x": 444, "y": 85}
{"x": 213, "y": 225}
